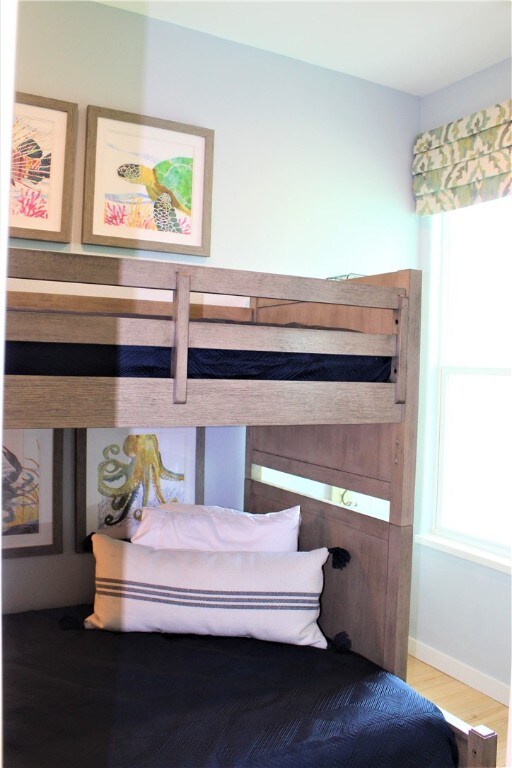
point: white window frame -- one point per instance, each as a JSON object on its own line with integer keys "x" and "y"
{"x": 431, "y": 531}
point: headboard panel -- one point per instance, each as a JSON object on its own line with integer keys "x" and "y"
{"x": 372, "y": 320}
{"x": 344, "y": 451}
{"x": 361, "y": 598}
{"x": 353, "y": 318}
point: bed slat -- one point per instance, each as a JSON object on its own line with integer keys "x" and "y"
{"x": 290, "y": 340}
{"x": 108, "y": 305}
{"x": 340, "y": 479}
{"x": 56, "y": 327}
{"x": 96, "y": 329}
{"x": 54, "y": 401}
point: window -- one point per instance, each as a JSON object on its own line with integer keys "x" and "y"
{"x": 468, "y": 383}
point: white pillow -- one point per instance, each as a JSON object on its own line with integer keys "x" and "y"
{"x": 265, "y": 595}
{"x": 217, "y": 529}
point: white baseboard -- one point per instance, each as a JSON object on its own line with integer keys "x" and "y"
{"x": 460, "y": 671}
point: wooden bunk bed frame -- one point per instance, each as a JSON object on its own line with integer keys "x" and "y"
{"x": 359, "y": 436}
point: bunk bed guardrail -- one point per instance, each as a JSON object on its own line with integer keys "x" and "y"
{"x": 180, "y": 400}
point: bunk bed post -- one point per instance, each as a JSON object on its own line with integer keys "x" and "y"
{"x": 200, "y": 464}
{"x": 398, "y": 599}
{"x": 477, "y": 745}
{"x": 482, "y": 746}
{"x": 404, "y": 435}
{"x": 403, "y": 439}
{"x": 180, "y": 352}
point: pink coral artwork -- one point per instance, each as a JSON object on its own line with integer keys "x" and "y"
{"x": 31, "y": 166}
{"x": 42, "y": 151}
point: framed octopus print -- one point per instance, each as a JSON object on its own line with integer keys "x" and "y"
{"x": 42, "y": 164}
{"x": 32, "y": 492}
{"x": 148, "y": 183}
{"x": 119, "y": 471}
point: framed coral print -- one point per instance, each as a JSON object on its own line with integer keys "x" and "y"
{"x": 31, "y": 492}
{"x": 148, "y": 183}
{"x": 119, "y": 471}
{"x": 42, "y": 165}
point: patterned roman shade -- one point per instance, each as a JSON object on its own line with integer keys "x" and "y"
{"x": 464, "y": 162}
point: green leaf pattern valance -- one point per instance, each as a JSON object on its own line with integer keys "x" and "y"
{"x": 464, "y": 162}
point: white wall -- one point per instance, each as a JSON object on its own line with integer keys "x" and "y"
{"x": 460, "y": 617}
{"x": 466, "y": 96}
{"x": 311, "y": 168}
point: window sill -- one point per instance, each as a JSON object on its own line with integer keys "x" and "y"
{"x": 458, "y": 549}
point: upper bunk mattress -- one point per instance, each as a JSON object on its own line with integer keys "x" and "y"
{"x": 25, "y": 358}
{"x": 82, "y": 698}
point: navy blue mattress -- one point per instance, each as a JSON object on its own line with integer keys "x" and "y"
{"x": 76, "y": 698}
{"x": 27, "y": 358}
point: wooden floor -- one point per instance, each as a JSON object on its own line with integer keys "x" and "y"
{"x": 462, "y": 701}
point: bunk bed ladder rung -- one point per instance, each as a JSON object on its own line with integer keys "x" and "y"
{"x": 180, "y": 351}
{"x": 399, "y": 362}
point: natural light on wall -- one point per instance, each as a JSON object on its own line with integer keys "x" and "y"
{"x": 471, "y": 367}
{"x": 341, "y": 497}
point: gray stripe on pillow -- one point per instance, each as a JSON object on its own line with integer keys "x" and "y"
{"x": 276, "y": 596}
{"x": 277, "y": 605}
{"x": 110, "y": 583}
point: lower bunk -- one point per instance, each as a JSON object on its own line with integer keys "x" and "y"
{"x": 75, "y": 697}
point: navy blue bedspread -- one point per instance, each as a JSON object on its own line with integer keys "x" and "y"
{"x": 26, "y": 358}
{"x": 77, "y": 698}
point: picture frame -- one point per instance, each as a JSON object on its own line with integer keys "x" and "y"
{"x": 119, "y": 470}
{"x": 42, "y": 168}
{"x": 32, "y": 492}
{"x": 148, "y": 183}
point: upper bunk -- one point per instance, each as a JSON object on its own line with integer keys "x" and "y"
{"x": 297, "y": 317}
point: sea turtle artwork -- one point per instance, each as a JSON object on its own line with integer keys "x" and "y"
{"x": 137, "y": 483}
{"x": 168, "y": 185}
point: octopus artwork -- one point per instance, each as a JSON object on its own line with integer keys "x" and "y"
{"x": 124, "y": 483}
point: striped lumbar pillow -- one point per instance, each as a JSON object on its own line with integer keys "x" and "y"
{"x": 265, "y": 595}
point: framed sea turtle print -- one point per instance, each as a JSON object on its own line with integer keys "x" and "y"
{"x": 119, "y": 471}
{"x": 148, "y": 183}
{"x": 42, "y": 168}
{"x": 32, "y": 492}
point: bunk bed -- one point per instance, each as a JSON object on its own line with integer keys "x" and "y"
{"x": 351, "y": 428}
